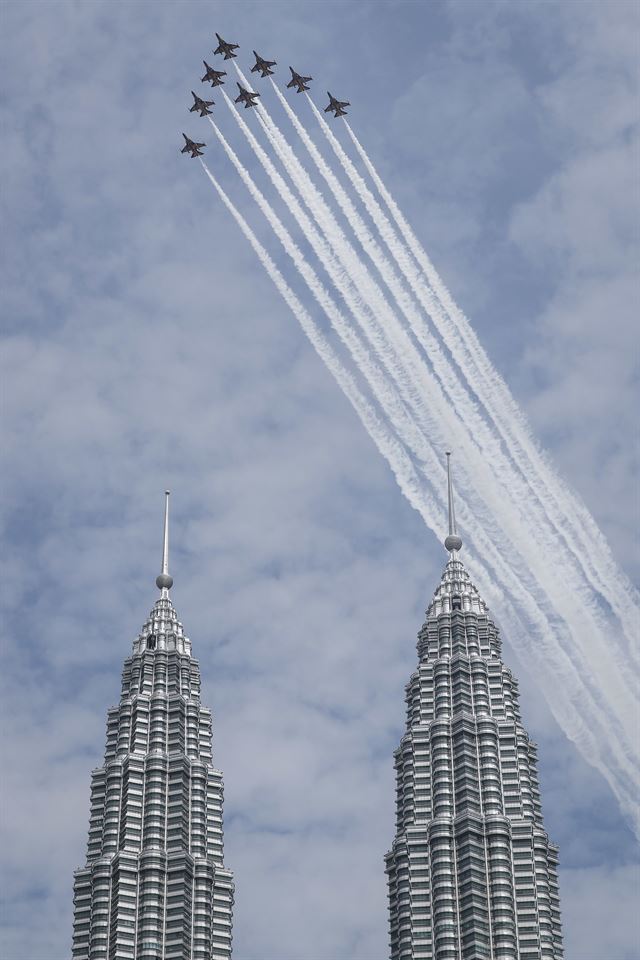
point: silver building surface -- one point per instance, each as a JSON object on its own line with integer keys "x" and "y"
{"x": 472, "y": 873}
{"x": 155, "y": 885}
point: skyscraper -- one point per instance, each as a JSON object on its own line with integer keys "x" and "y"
{"x": 471, "y": 873}
{"x": 155, "y": 885}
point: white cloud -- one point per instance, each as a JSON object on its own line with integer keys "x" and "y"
{"x": 148, "y": 350}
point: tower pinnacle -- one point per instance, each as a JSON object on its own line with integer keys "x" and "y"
{"x": 154, "y": 883}
{"x": 453, "y": 541}
{"x": 164, "y": 581}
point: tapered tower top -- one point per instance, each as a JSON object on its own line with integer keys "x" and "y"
{"x": 164, "y": 581}
{"x": 453, "y": 541}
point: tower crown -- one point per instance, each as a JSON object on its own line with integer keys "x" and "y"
{"x": 456, "y": 590}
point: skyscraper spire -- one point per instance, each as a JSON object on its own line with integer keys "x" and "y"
{"x": 453, "y": 541}
{"x": 154, "y": 884}
{"x": 164, "y": 581}
{"x": 471, "y": 872}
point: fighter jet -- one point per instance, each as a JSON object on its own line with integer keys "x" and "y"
{"x": 298, "y": 81}
{"x": 226, "y": 48}
{"x": 201, "y": 105}
{"x": 337, "y": 106}
{"x": 264, "y": 66}
{"x": 246, "y": 97}
{"x": 213, "y": 75}
{"x": 192, "y": 147}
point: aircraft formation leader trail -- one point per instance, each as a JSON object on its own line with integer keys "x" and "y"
{"x": 383, "y": 322}
{"x": 261, "y": 66}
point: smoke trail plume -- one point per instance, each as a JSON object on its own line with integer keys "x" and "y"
{"x": 518, "y": 485}
{"x": 410, "y": 482}
{"x": 387, "y": 445}
{"x": 593, "y": 550}
{"x": 544, "y": 595}
{"x": 582, "y": 615}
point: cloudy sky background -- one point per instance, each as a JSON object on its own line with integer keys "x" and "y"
{"x": 144, "y": 348}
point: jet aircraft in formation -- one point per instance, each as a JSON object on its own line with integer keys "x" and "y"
{"x": 298, "y": 81}
{"x": 226, "y": 48}
{"x": 246, "y": 97}
{"x": 201, "y": 105}
{"x": 213, "y": 75}
{"x": 337, "y": 106}
{"x": 264, "y": 66}
{"x": 261, "y": 66}
{"x": 191, "y": 147}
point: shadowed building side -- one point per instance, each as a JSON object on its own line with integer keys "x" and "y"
{"x": 471, "y": 873}
{"x": 155, "y": 884}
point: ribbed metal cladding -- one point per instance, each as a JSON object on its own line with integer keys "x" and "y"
{"x": 472, "y": 874}
{"x": 155, "y": 884}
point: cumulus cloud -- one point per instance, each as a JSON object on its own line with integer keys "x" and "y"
{"x": 144, "y": 349}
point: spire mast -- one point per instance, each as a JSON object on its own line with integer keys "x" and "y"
{"x": 453, "y": 542}
{"x": 164, "y": 581}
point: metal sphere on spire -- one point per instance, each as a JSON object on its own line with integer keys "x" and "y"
{"x": 164, "y": 581}
{"x": 453, "y": 541}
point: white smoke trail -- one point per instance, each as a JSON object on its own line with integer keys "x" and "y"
{"x": 334, "y": 267}
{"x": 562, "y": 674}
{"x": 571, "y": 518}
{"x": 388, "y": 446}
{"x": 385, "y": 393}
{"x": 568, "y": 605}
{"x": 513, "y": 479}
{"x": 551, "y": 537}
{"x": 409, "y": 481}
{"x": 587, "y": 635}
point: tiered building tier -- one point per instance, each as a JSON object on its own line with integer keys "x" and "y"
{"x": 472, "y": 874}
{"x": 155, "y": 885}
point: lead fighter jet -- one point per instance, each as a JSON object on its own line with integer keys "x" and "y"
{"x": 213, "y": 75}
{"x": 226, "y": 48}
{"x": 337, "y": 105}
{"x": 192, "y": 146}
{"x": 201, "y": 105}
{"x": 246, "y": 97}
{"x": 298, "y": 81}
{"x": 264, "y": 66}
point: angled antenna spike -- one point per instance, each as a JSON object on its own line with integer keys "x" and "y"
{"x": 164, "y": 581}
{"x": 453, "y": 541}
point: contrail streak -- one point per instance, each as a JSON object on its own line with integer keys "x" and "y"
{"x": 385, "y": 392}
{"x": 550, "y": 537}
{"x": 586, "y": 622}
{"x": 514, "y": 479}
{"x": 388, "y": 446}
{"x": 592, "y": 549}
{"x": 410, "y": 483}
{"x": 565, "y": 508}
{"x": 335, "y": 268}
{"x": 578, "y": 730}
{"x": 505, "y": 470}
{"x": 573, "y": 608}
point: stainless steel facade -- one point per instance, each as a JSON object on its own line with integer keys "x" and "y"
{"x": 471, "y": 873}
{"x": 155, "y": 884}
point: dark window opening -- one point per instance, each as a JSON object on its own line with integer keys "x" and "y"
{"x": 151, "y": 642}
{"x": 456, "y": 603}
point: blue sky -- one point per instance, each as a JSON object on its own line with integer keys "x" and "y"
{"x": 144, "y": 348}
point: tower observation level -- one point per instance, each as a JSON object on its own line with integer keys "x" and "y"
{"x": 155, "y": 886}
{"x": 471, "y": 873}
